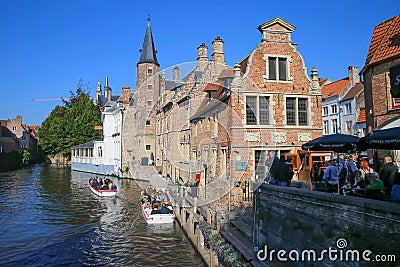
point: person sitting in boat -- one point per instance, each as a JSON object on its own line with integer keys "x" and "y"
{"x": 155, "y": 209}
{"x": 114, "y": 186}
{"x": 160, "y": 195}
{"x": 144, "y": 197}
{"x": 166, "y": 209}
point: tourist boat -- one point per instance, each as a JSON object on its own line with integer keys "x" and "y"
{"x": 102, "y": 192}
{"x": 156, "y": 218}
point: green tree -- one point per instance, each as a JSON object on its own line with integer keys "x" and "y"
{"x": 70, "y": 125}
{"x": 26, "y": 157}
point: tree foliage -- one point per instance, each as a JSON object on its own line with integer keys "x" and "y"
{"x": 70, "y": 125}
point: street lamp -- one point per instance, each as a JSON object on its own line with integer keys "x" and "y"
{"x": 205, "y": 179}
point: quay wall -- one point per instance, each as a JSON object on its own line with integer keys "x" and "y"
{"x": 290, "y": 218}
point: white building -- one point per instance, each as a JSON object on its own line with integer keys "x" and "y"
{"x": 103, "y": 157}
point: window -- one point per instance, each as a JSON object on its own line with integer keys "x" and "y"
{"x": 324, "y": 111}
{"x": 100, "y": 152}
{"x": 257, "y": 110}
{"x": 147, "y": 123}
{"x": 14, "y": 128}
{"x": 348, "y": 126}
{"x": 149, "y": 87}
{"x": 149, "y": 71}
{"x": 334, "y": 126}
{"x": 259, "y": 160}
{"x": 277, "y": 68}
{"x": 148, "y": 147}
{"x": 347, "y": 109}
{"x": 149, "y": 103}
{"x": 296, "y": 111}
{"x": 326, "y": 128}
{"x": 333, "y": 109}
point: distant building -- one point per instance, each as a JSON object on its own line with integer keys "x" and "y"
{"x": 342, "y": 103}
{"x": 26, "y": 136}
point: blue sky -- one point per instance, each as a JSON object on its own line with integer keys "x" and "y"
{"x": 47, "y": 46}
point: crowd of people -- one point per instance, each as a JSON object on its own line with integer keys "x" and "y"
{"x": 155, "y": 200}
{"x": 353, "y": 173}
{"x": 344, "y": 174}
{"x": 103, "y": 184}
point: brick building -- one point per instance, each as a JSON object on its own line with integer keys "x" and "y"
{"x": 381, "y": 75}
{"x": 217, "y": 124}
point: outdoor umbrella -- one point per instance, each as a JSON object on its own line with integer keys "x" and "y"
{"x": 334, "y": 142}
{"x": 381, "y": 139}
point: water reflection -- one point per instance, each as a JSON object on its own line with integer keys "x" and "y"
{"x": 51, "y": 218}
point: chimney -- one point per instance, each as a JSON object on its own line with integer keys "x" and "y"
{"x": 202, "y": 56}
{"x": 126, "y": 92}
{"x": 175, "y": 73}
{"x": 217, "y": 55}
{"x": 354, "y": 78}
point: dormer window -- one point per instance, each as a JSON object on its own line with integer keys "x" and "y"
{"x": 277, "y": 68}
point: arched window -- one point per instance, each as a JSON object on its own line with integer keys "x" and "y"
{"x": 100, "y": 152}
{"x": 150, "y": 71}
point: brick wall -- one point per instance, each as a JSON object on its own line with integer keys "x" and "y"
{"x": 290, "y": 218}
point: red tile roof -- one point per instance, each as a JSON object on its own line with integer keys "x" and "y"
{"x": 214, "y": 86}
{"x": 362, "y": 118}
{"x": 335, "y": 88}
{"x": 385, "y": 42}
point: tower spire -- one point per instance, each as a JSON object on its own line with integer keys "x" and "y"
{"x": 148, "y": 51}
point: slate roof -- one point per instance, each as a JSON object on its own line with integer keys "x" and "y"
{"x": 385, "y": 42}
{"x": 353, "y": 92}
{"x": 85, "y": 145}
{"x": 148, "y": 51}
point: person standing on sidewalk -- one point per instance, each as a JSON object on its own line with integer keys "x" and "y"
{"x": 282, "y": 173}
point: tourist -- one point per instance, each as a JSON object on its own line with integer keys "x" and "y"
{"x": 281, "y": 172}
{"x": 388, "y": 174}
{"x": 363, "y": 177}
{"x": 395, "y": 194}
{"x": 331, "y": 176}
{"x": 376, "y": 183}
{"x": 352, "y": 169}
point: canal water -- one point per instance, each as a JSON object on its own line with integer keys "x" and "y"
{"x": 49, "y": 217}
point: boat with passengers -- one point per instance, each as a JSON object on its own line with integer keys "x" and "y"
{"x": 102, "y": 187}
{"x": 156, "y": 208}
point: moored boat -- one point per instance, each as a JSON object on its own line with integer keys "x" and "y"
{"x": 102, "y": 191}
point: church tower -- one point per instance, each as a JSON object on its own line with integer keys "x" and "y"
{"x": 148, "y": 78}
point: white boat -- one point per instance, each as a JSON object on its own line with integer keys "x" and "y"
{"x": 157, "y": 218}
{"x": 102, "y": 192}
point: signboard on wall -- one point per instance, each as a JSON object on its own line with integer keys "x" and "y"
{"x": 241, "y": 166}
{"x": 395, "y": 81}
